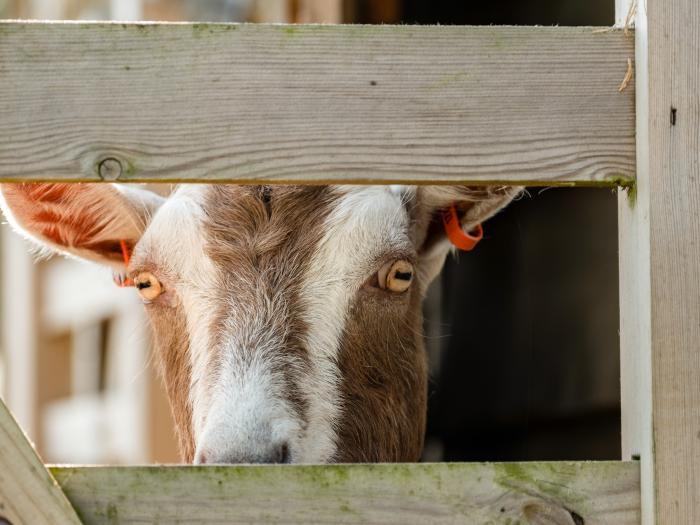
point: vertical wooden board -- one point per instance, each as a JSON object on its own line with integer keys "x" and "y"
{"x": 673, "y": 29}
{"x": 660, "y": 265}
{"x": 28, "y": 492}
{"x": 635, "y": 290}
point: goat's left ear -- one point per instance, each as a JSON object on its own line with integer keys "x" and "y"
{"x": 84, "y": 220}
{"x": 474, "y": 205}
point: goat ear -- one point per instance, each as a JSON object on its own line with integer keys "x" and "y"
{"x": 83, "y": 220}
{"x": 474, "y": 205}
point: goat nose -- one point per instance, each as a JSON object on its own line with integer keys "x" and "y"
{"x": 278, "y": 453}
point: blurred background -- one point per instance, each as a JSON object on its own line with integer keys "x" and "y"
{"x": 522, "y": 334}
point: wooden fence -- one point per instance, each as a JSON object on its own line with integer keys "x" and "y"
{"x": 358, "y": 104}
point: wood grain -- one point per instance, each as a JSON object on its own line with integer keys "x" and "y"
{"x": 660, "y": 266}
{"x": 28, "y": 493}
{"x": 544, "y": 493}
{"x": 674, "y": 193}
{"x": 321, "y": 104}
{"x": 635, "y": 290}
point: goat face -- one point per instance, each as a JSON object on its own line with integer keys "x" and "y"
{"x": 287, "y": 318}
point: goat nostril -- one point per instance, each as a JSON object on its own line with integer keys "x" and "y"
{"x": 278, "y": 453}
{"x": 284, "y": 454}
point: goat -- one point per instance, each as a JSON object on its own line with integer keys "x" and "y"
{"x": 287, "y": 319}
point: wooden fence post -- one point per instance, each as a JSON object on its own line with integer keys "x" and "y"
{"x": 659, "y": 225}
{"x": 28, "y": 492}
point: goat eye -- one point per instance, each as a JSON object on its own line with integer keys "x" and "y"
{"x": 148, "y": 286}
{"x": 396, "y": 276}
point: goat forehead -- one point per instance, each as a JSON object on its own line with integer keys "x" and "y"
{"x": 244, "y": 232}
{"x": 174, "y": 236}
{"x": 371, "y": 214}
{"x": 234, "y": 217}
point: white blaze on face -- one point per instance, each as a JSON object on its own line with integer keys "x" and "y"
{"x": 175, "y": 239}
{"x": 366, "y": 223}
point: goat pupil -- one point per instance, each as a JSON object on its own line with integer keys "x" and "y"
{"x": 145, "y": 284}
{"x": 404, "y": 276}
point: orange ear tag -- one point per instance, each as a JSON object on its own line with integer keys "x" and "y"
{"x": 119, "y": 279}
{"x": 464, "y": 241}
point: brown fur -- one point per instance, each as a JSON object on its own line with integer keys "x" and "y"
{"x": 261, "y": 246}
{"x": 172, "y": 345}
{"x": 382, "y": 358}
{"x": 384, "y": 371}
{"x": 260, "y": 239}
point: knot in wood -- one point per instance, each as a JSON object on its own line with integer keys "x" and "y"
{"x": 109, "y": 169}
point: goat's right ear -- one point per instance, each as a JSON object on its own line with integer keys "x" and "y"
{"x": 472, "y": 204}
{"x": 84, "y": 220}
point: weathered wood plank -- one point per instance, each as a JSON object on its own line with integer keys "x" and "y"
{"x": 28, "y": 493}
{"x": 545, "y": 493}
{"x": 275, "y": 103}
{"x": 660, "y": 266}
{"x": 635, "y": 292}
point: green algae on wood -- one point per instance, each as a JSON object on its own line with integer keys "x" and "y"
{"x": 505, "y": 493}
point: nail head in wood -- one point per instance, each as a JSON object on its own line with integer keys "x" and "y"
{"x": 109, "y": 169}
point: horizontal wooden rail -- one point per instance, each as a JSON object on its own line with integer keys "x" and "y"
{"x": 315, "y": 104}
{"x": 561, "y": 492}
